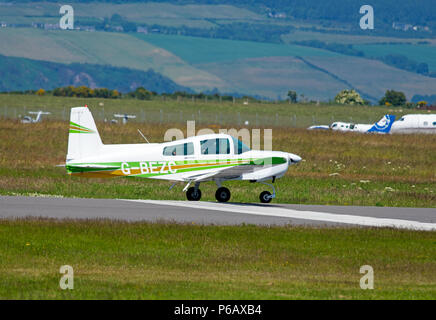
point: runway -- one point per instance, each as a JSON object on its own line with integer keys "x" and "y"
{"x": 203, "y": 212}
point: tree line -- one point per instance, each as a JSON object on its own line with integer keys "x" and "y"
{"x": 139, "y": 93}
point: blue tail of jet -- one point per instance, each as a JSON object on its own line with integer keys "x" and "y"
{"x": 384, "y": 125}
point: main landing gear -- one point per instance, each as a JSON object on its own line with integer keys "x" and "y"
{"x": 193, "y": 193}
{"x": 222, "y": 194}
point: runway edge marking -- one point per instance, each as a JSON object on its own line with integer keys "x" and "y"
{"x": 297, "y": 214}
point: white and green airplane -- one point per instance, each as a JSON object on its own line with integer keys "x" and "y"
{"x": 212, "y": 157}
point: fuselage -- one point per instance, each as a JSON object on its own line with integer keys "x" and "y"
{"x": 350, "y": 127}
{"x": 207, "y": 157}
{"x": 415, "y": 123}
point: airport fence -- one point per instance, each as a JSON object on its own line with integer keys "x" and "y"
{"x": 162, "y": 116}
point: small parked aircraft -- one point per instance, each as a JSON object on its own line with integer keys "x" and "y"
{"x": 212, "y": 157}
{"x": 415, "y": 123}
{"x": 382, "y": 126}
{"x": 125, "y": 117}
{"x": 28, "y": 119}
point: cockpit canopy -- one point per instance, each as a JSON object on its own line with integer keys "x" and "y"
{"x": 211, "y": 146}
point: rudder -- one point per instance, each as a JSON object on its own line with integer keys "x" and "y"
{"x": 83, "y": 138}
{"x": 384, "y": 125}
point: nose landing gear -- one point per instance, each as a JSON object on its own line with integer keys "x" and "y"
{"x": 266, "y": 196}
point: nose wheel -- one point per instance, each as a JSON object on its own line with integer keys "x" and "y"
{"x": 266, "y": 196}
{"x": 222, "y": 194}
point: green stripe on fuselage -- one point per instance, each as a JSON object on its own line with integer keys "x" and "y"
{"x": 209, "y": 164}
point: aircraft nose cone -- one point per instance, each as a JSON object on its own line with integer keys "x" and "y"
{"x": 293, "y": 158}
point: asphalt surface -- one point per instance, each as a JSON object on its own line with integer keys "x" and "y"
{"x": 216, "y": 213}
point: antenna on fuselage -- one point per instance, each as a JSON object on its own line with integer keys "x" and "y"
{"x": 143, "y": 136}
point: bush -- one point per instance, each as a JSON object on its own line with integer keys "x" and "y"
{"x": 349, "y": 97}
{"x": 395, "y": 98}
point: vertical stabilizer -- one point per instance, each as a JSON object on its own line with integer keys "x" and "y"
{"x": 384, "y": 125}
{"x": 83, "y": 140}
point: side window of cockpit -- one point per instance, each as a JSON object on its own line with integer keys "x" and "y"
{"x": 239, "y": 146}
{"x": 184, "y": 149}
{"x": 215, "y": 146}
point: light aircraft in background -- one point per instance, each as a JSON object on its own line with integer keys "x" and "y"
{"x": 319, "y": 127}
{"x": 38, "y": 118}
{"x": 125, "y": 117}
{"x": 415, "y": 123}
{"x": 382, "y": 126}
{"x": 212, "y": 157}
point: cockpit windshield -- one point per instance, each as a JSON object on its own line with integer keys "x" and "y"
{"x": 239, "y": 146}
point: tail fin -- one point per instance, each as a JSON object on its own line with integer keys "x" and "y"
{"x": 384, "y": 125}
{"x": 83, "y": 140}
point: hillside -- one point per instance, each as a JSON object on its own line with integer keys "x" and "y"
{"x": 105, "y": 48}
{"x": 259, "y": 48}
{"x": 19, "y": 74}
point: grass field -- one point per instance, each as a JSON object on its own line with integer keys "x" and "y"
{"x": 135, "y": 12}
{"x": 203, "y": 112}
{"x": 299, "y": 35}
{"x": 273, "y": 76}
{"x": 200, "y": 50}
{"x": 344, "y": 169}
{"x": 418, "y": 53}
{"x": 115, "y": 260}
{"x": 374, "y": 77}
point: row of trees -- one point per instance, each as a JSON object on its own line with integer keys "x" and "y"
{"x": 85, "y": 92}
{"x": 391, "y": 98}
{"x": 348, "y": 97}
{"x": 139, "y": 93}
{"x": 352, "y": 97}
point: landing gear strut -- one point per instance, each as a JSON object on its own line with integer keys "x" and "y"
{"x": 266, "y": 196}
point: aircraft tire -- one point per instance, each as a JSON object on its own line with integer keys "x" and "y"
{"x": 265, "y": 197}
{"x": 222, "y": 194}
{"x": 193, "y": 195}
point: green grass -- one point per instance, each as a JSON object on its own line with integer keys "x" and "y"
{"x": 418, "y": 53}
{"x": 116, "y": 260}
{"x": 299, "y": 35}
{"x": 136, "y": 12}
{"x": 211, "y": 112}
{"x": 338, "y": 169}
{"x": 374, "y": 77}
{"x": 200, "y": 50}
